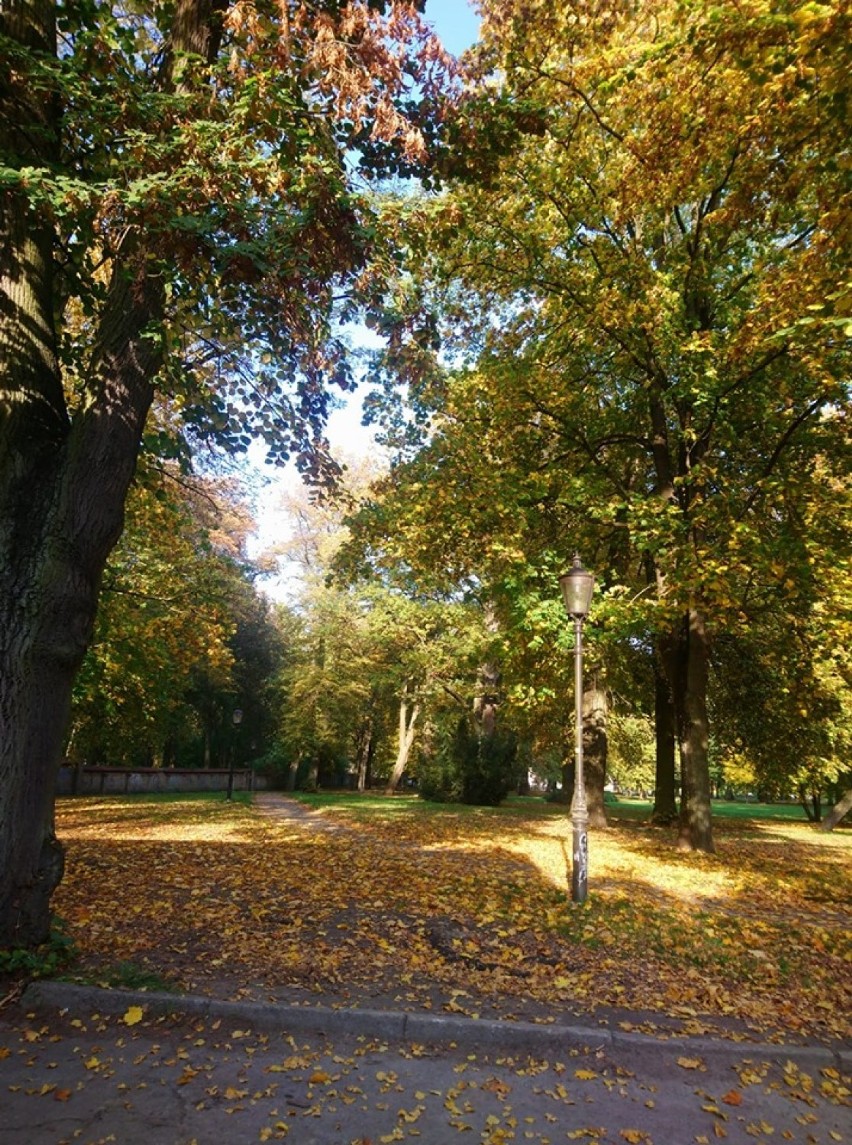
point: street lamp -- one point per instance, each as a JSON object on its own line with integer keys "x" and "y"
{"x": 577, "y": 585}
{"x": 236, "y": 720}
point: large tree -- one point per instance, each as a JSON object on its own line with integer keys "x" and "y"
{"x": 643, "y": 253}
{"x": 176, "y": 216}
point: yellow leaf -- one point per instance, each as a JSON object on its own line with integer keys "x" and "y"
{"x": 319, "y": 1077}
{"x": 634, "y": 1136}
{"x": 134, "y": 1014}
{"x": 690, "y": 1063}
{"x": 585, "y": 1074}
{"x": 411, "y": 1116}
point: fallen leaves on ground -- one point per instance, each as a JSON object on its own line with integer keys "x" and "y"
{"x": 465, "y": 912}
{"x": 233, "y": 1083}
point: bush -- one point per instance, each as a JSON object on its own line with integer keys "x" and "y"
{"x": 49, "y": 959}
{"x": 274, "y": 766}
{"x": 470, "y": 768}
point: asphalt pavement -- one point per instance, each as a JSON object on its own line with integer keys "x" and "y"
{"x": 85, "y": 1065}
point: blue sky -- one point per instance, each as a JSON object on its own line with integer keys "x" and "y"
{"x": 455, "y": 22}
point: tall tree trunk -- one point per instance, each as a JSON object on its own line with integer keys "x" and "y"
{"x": 365, "y": 747}
{"x": 408, "y": 714}
{"x": 312, "y": 778}
{"x": 665, "y": 794}
{"x": 696, "y": 831}
{"x": 811, "y": 804}
{"x": 35, "y": 682}
{"x": 595, "y": 708}
{"x": 292, "y": 774}
{"x": 62, "y": 483}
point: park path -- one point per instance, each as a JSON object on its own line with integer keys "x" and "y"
{"x": 285, "y": 809}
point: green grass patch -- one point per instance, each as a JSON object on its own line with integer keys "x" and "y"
{"x": 377, "y": 805}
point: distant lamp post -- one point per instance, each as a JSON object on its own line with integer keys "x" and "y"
{"x": 236, "y": 720}
{"x": 577, "y": 585}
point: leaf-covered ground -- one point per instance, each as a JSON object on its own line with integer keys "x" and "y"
{"x": 392, "y": 902}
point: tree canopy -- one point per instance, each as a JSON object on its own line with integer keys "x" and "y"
{"x": 180, "y": 216}
{"x": 637, "y": 277}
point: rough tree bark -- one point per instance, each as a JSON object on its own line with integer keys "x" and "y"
{"x": 63, "y": 480}
{"x": 665, "y": 793}
{"x": 595, "y": 750}
{"x": 686, "y": 660}
{"x": 690, "y": 687}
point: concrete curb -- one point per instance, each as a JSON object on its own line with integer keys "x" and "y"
{"x": 399, "y": 1026}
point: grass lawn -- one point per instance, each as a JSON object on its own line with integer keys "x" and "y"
{"x": 424, "y": 906}
{"x": 621, "y": 807}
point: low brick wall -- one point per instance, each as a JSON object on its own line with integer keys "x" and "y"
{"x": 147, "y": 780}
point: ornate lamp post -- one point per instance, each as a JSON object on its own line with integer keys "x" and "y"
{"x": 236, "y": 719}
{"x": 577, "y": 585}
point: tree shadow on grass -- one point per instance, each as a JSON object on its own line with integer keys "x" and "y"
{"x": 459, "y": 918}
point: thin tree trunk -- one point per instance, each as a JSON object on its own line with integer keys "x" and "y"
{"x": 407, "y": 721}
{"x": 811, "y": 804}
{"x": 364, "y": 753}
{"x": 292, "y": 774}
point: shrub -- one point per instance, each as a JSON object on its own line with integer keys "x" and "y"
{"x": 470, "y": 768}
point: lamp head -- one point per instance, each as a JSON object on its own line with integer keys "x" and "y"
{"x": 577, "y": 585}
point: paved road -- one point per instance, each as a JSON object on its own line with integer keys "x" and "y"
{"x": 88, "y": 1066}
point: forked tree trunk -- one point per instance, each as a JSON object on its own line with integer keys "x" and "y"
{"x": 408, "y": 714}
